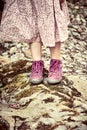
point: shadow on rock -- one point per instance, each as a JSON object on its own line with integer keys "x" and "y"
{"x": 4, "y": 125}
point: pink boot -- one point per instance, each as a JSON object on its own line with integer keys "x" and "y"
{"x": 55, "y": 71}
{"x": 36, "y": 75}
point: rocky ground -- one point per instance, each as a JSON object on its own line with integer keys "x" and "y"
{"x": 24, "y": 106}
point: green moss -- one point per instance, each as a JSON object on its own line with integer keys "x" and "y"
{"x": 19, "y": 81}
{"x": 28, "y": 92}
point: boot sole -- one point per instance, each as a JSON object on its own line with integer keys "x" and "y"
{"x": 51, "y": 81}
{"x": 35, "y": 81}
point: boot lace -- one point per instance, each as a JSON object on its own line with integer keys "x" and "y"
{"x": 37, "y": 68}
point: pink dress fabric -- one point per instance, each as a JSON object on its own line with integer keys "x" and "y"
{"x": 30, "y": 21}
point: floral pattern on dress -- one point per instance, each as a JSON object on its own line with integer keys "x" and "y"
{"x": 30, "y": 21}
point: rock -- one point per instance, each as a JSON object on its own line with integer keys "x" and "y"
{"x": 4, "y": 125}
{"x": 13, "y": 50}
{"x": 63, "y": 106}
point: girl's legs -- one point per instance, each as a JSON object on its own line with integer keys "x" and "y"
{"x": 56, "y": 51}
{"x": 36, "y": 51}
{"x": 55, "y": 69}
{"x": 36, "y": 75}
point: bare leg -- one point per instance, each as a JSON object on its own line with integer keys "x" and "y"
{"x": 55, "y": 69}
{"x": 36, "y": 51}
{"x": 36, "y": 75}
{"x": 56, "y": 51}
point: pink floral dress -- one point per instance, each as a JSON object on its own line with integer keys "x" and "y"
{"x": 28, "y": 21}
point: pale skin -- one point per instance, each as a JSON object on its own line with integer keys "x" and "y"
{"x": 36, "y": 51}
